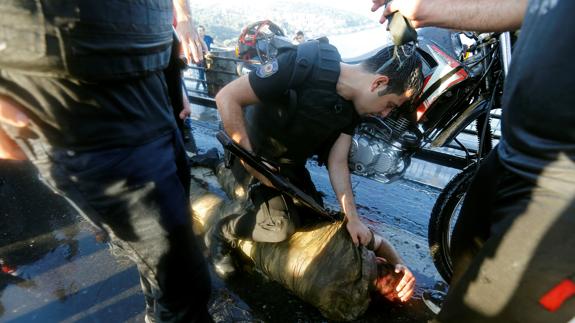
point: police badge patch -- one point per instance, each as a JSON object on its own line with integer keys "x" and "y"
{"x": 268, "y": 69}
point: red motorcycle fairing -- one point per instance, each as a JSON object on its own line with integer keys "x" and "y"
{"x": 438, "y": 78}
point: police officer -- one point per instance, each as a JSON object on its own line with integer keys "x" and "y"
{"x": 305, "y": 102}
{"x": 87, "y": 80}
{"x": 513, "y": 245}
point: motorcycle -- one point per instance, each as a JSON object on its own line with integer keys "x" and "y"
{"x": 460, "y": 87}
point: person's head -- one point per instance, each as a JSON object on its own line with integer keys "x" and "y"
{"x": 299, "y": 37}
{"x": 201, "y": 31}
{"x": 390, "y": 78}
{"x": 387, "y": 279}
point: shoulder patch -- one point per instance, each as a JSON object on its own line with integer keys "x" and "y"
{"x": 268, "y": 69}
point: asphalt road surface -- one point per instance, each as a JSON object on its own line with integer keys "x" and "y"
{"x": 55, "y": 270}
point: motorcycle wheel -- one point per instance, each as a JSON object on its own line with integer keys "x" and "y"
{"x": 443, "y": 218}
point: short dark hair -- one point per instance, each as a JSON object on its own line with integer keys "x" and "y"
{"x": 387, "y": 279}
{"x": 299, "y": 33}
{"x": 401, "y": 64}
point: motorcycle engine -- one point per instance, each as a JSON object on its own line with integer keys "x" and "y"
{"x": 381, "y": 148}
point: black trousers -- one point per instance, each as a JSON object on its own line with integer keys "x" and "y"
{"x": 514, "y": 243}
{"x": 140, "y": 197}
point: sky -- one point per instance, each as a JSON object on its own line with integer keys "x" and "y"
{"x": 362, "y": 7}
{"x": 349, "y": 45}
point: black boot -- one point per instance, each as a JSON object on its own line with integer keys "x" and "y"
{"x": 220, "y": 250}
{"x": 210, "y": 159}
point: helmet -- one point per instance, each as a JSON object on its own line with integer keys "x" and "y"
{"x": 254, "y": 41}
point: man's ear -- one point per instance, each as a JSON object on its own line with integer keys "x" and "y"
{"x": 379, "y": 81}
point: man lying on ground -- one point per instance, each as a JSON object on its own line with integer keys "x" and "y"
{"x": 320, "y": 263}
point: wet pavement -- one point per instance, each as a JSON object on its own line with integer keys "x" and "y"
{"x": 55, "y": 270}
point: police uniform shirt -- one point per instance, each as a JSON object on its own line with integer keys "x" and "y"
{"x": 296, "y": 133}
{"x": 86, "y": 116}
{"x": 89, "y": 75}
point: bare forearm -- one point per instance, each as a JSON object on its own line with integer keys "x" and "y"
{"x": 478, "y": 15}
{"x": 385, "y": 250}
{"x": 233, "y": 121}
{"x": 232, "y": 118}
{"x": 341, "y": 184}
{"x": 230, "y": 107}
{"x": 340, "y": 178}
{"x": 183, "y": 10}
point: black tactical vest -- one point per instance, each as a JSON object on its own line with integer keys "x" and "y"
{"x": 315, "y": 74}
{"x": 310, "y": 120}
{"x": 88, "y": 40}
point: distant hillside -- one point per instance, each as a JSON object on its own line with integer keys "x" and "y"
{"x": 225, "y": 22}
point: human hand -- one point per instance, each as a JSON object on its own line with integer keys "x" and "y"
{"x": 244, "y": 142}
{"x": 192, "y": 44}
{"x": 10, "y": 114}
{"x": 413, "y": 10}
{"x": 186, "y": 109}
{"x": 404, "y": 289}
{"x": 359, "y": 232}
{"x": 377, "y": 4}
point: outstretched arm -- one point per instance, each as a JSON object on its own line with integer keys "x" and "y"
{"x": 341, "y": 182}
{"x": 382, "y": 248}
{"x": 478, "y": 15}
